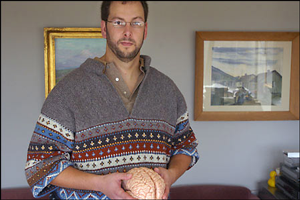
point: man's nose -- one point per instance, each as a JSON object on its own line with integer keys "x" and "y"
{"x": 127, "y": 30}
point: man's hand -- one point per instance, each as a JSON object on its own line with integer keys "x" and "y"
{"x": 177, "y": 166}
{"x": 169, "y": 180}
{"x": 111, "y": 185}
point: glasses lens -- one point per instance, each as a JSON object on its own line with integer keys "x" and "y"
{"x": 137, "y": 24}
{"x": 118, "y": 23}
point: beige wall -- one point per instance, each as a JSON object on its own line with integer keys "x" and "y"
{"x": 239, "y": 153}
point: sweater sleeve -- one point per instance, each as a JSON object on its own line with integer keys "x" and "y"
{"x": 184, "y": 140}
{"x": 51, "y": 145}
{"x": 48, "y": 155}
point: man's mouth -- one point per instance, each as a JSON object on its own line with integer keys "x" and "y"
{"x": 126, "y": 43}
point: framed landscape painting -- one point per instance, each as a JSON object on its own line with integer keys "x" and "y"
{"x": 65, "y": 49}
{"x": 242, "y": 76}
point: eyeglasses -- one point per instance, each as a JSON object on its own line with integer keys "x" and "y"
{"x": 122, "y": 24}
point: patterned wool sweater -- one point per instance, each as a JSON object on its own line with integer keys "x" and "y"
{"x": 84, "y": 124}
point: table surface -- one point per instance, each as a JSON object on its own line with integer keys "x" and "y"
{"x": 267, "y": 192}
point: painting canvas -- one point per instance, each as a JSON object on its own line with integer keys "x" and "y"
{"x": 65, "y": 49}
{"x": 72, "y": 52}
{"x": 248, "y": 76}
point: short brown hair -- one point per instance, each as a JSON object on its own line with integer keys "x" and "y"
{"x": 106, "y": 6}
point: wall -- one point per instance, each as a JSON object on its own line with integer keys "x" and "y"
{"x": 239, "y": 153}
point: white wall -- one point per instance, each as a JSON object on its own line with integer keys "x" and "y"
{"x": 239, "y": 153}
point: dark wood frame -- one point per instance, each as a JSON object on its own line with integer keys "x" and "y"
{"x": 292, "y": 114}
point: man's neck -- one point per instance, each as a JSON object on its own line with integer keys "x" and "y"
{"x": 130, "y": 71}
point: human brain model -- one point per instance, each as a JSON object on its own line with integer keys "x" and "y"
{"x": 145, "y": 183}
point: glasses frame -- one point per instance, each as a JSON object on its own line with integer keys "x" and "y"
{"x": 122, "y": 26}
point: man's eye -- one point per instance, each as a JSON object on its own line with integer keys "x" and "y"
{"x": 136, "y": 23}
{"x": 118, "y": 23}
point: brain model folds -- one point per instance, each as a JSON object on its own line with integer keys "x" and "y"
{"x": 144, "y": 184}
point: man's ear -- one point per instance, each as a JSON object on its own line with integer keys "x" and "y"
{"x": 103, "y": 29}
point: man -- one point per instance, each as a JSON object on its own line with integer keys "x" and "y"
{"x": 111, "y": 114}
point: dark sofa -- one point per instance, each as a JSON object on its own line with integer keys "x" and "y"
{"x": 177, "y": 192}
{"x": 211, "y": 192}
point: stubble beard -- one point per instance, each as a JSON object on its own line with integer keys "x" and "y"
{"x": 124, "y": 57}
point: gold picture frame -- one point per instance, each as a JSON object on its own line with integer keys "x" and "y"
{"x": 216, "y": 101}
{"x": 51, "y": 35}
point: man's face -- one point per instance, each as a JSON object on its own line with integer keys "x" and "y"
{"x": 125, "y": 42}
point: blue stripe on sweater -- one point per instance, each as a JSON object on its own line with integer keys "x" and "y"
{"x": 53, "y": 135}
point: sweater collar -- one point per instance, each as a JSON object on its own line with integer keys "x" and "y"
{"x": 94, "y": 66}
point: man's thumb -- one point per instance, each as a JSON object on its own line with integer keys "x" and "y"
{"x": 126, "y": 176}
